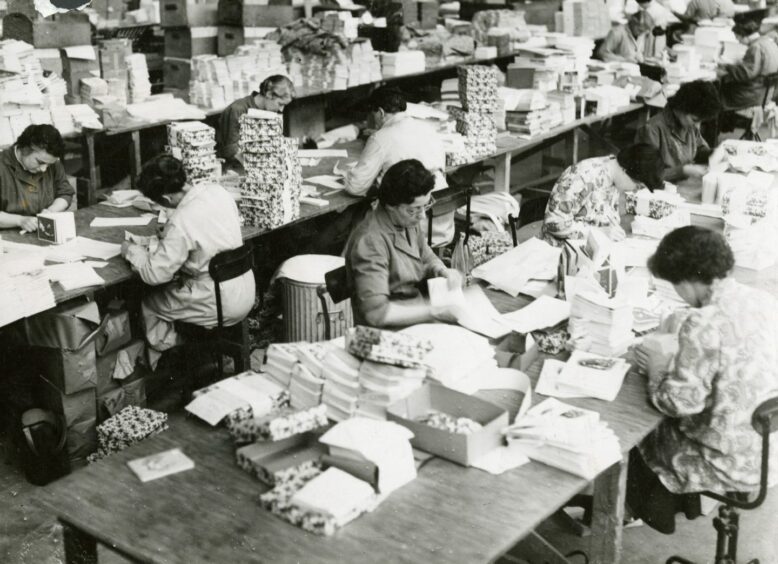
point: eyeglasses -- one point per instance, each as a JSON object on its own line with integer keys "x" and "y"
{"x": 284, "y": 98}
{"x": 418, "y": 210}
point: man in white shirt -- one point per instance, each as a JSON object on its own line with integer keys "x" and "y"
{"x": 398, "y": 137}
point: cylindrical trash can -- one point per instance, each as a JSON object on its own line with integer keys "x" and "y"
{"x": 304, "y": 320}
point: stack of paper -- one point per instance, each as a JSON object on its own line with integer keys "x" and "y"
{"x": 512, "y": 271}
{"x": 566, "y": 437}
{"x": 605, "y": 323}
{"x": 402, "y": 62}
{"x": 534, "y": 122}
{"x": 24, "y": 288}
{"x": 138, "y": 78}
{"x": 240, "y": 397}
{"x": 341, "y": 387}
{"x": 381, "y": 443}
{"x": 74, "y": 275}
{"x": 380, "y": 385}
{"x": 280, "y": 362}
{"x": 458, "y": 358}
{"x": 305, "y": 388}
{"x": 594, "y": 376}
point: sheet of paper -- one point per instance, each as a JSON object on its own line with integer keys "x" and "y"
{"x": 510, "y": 272}
{"x": 327, "y": 180}
{"x": 92, "y": 248}
{"x": 74, "y": 275}
{"x": 502, "y": 459}
{"x": 215, "y": 405}
{"x": 547, "y": 383}
{"x": 261, "y": 404}
{"x": 541, "y": 313}
{"x": 120, "y": 221}
{"x": 634, "y": 251}
{"x": 96, "y": 263}
{"x": 322, "y": 153}
{"x": 472, "y": 308}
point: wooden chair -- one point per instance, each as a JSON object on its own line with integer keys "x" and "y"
{"x": 337, "y": 288}
{"x": 233, "y": 340}
{"x": 770, "y": 83}
{"x": 764, "y": 421}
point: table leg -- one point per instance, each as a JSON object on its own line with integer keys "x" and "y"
{"x": 502, "y": 173}
{"x": 610, "y": 490}
{"x": 80, "y": 548}
{"x": 94, "y": 168}
{"x": 135, "y": 158}
{"x": 534, "y": 548}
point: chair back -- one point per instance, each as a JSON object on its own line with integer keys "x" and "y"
{"x": 337, "y": 285}
{"x": 226, "y": 266}
{"x": 765, "y": 422}
{"x": 770, "y": 87}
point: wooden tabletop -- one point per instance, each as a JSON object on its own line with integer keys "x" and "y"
{"x": 448, "y": 514}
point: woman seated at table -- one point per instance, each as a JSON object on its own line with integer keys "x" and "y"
{"x": 675, "y": 131}
{"x": 707, "y": 380}
{"x": 630, "y": 42}
{"x": 587, "y": 193}
{"x": 32, "y": 178}
{"x": 205, "y": 222}
{"x": 740, "y": 84}
{"x": 387, "y": 255}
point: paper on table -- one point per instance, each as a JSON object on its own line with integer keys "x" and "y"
{"x": 322, "y": 153}
{"x": 96, "y": 263}
{"x": 547, "y": 383}
{"x": 541, "y": 313}
{"x": 215, "y": 405}
{"x": 537, "y": 288}
{"x": 91, "y": 248}
{"x": 472, "y": 308}
{"x": 501, "y": 459}
{"x": 328, "y": 180}
{"x": 160, "y": 465}
{"x": 122, "y": 198}
{"x": 261, "y": 404}
{"x": 634, "y": 251}
{"x": 510, "y": 272}
{"x": 74, "y": 275}
{"x": 119, "y": 221}
{"x": 597, "y": 383}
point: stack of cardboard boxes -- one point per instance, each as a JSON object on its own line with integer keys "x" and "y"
{"x": 241, "y": 22}
{"x": 190, "y": 30}
{"x": 90, "y": 368}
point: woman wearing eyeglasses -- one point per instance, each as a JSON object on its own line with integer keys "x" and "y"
{"x": 275, "y": 93}
{"x": 387, "y": 255}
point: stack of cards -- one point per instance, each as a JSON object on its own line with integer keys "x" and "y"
{"x": 194, "y": 143}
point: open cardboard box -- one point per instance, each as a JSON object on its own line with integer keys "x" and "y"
{"x": 516, "y": 350}
{"x": 270, "y": 457}
{"x": 460, "y": 448}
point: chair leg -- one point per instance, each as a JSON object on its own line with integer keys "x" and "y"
{"x": 243, "y": 359}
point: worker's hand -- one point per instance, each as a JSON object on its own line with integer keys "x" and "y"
{"x": 28, "y": 224}
{"x": 653, "y": 356}
{"x": 695, "y": 170}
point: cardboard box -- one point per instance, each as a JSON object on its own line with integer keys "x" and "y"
{"x": 185, "y": 43}
{"x": 50, "y": 60}
{"x": 364, "y": 470}
{"x": 520, "y": 77}
{"x": 68, "y": 326}
{"x": 115, "y": 331}
{"x": 113, "y": 58}
{"x": 188, "y": 13}
{"x": 73, "y": 70}
{"x": 130, "y": 359}
{"x": 126, "y": 394}
{"x": 74, "y": 408}
{"x": 517, "y": 351}
{"x": 69, "y": 371}
{"x": 251, "y": 13}
{"x": 63, "y": 30}
{"x": 81, "y": 441}
{"x": 229, "y": 39}
{"x": 177, "y": 73}
{"x": 56, "y": 227}
{"x": 460, "y": 448}
{"x": 268, "y": 459}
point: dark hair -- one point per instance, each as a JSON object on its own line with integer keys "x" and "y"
{"x": 692, "y": 254}
{"x": 271, "y": 82}
{"x": 404, "y": 182}
{"x": 162, "y": 175}
{"x": 699, "y": 98}
{"x": 746, "y": 27}
{"x": 643, "y": 163}
{"x": 643, "y": 19}
{"x": 43, "y": 136}
{"x": 390, "y": 100}
{"x": 643, "y": 1}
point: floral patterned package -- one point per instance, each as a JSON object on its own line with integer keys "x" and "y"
{"x": 388, "y": 347}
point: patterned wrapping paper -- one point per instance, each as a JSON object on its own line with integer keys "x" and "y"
{"x": 388, "y": 347}
{"x": 473, "y": 124}
{"x": 552, "y": 340}
{"x": 128, "y": 427}
{"x": 278, "y": 502}
{"x": 755, "y": 202}
{"x": 280, "y": 401}
{"x": 478, "y": 88}
{"x": 195, "y": 144}
{"x": 278, "y": 425}
{"x": 190, "y": 135}
{"x": 258, "y": 129}
{"x": 745, "y": 156}
{"x": 657, "y": 208}
{"x": 303, "y": 471}
{"x": 488, "y": 245}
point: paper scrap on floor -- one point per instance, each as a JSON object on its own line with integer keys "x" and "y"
{"x": 121, "y": 221}
{"x": 160, "y": 465}
{"x": 541, "y": 313}
{"x": 593, "y": 375}
{"x": 511, "y": 271}
{"x": 74, "y": 275}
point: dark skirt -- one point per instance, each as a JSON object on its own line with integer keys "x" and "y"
{"x": 651, "y": 501}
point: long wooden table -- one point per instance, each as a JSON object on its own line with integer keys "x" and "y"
{"x": 448, "y": 514}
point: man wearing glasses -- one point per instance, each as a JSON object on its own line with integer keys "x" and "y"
{"x": 275, "y": 93}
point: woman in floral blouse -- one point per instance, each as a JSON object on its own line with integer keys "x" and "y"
{"x": 725, "y": 365}
{"x": 587, "y": 193}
